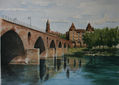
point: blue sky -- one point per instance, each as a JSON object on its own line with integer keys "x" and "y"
{"x": 61, "y": 13}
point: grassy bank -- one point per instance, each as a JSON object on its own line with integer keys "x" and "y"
{"x": 79, "y": 52}
{"x": 75, "y": 52}
{"x": 102, "y": 52}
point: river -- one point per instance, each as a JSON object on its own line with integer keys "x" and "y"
{"x": 64, "y": 71}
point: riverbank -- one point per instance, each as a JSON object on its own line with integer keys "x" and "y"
{"x": 92, "y": 52}
{"x": 102, "y": 52}
{"x": 75, "y": 52}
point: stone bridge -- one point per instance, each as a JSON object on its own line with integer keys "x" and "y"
{"x": 23, "y": 45}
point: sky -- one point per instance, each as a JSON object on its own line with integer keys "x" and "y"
{"x": 61, "y": 13}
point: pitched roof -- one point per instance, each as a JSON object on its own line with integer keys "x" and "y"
{"x": 72, "y": 27}
{"x": 89, "y": 27}
{"x": 48, "y": 22}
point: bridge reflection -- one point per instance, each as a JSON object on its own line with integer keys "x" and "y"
{"x": 37, "y": 74}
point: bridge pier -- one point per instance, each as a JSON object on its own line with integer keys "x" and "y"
{"x": 59, "y": 51}
{"x": 31, "y": 57}
{"x": 65, "y": 50}
{"x": 56, "y": 52}
{"x": 51, "y": 52}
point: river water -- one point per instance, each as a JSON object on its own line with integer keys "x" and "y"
{"x": 65, "y": 71}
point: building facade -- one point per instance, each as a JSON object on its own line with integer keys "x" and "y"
{"x": 76, "y": 35}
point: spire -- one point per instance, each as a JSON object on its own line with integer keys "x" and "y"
{"x": 89, "y": 27}
{"x": 48, "y": 22}
{"x": 72, "y": 27}
{"x": 47, "y": 26}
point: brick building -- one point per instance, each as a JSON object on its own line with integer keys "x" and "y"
{"x": 76, "y": 35}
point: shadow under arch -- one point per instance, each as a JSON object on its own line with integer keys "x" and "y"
{"x": 40, "y": 44}
{"x": 11, "y": 46}
{"x": 64, "y": 45}
{"x": 52, "y": 44}
{"x": 60, "y": 45}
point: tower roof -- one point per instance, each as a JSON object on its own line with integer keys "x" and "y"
{"x": 72, "y": 27}
{"x": 89, "y": 27}
{"x": 47, "y": 26}
{"x": 48, "y": 22}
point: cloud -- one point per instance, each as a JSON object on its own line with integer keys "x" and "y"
{"x": 106, "y": 19}
{"x": 63, "y": 12}
{"x": 59, "y": 21}
{"x": 13, "y": 9}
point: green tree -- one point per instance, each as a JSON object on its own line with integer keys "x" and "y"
{"x": 102, "y": 37}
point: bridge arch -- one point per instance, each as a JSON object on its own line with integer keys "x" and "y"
{"x": 52, "y": 44}
{"x": 40, "y": 44}
{"x": 11, "y": 46}
{"x": 60, "y": 45}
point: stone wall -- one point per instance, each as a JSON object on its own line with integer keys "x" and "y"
{"x": 32, "y": 56}
{"x": 59, "y": 51}
{"x": 51, "y": 52}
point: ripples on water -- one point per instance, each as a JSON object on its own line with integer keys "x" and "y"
{"x": 64, "y": 71}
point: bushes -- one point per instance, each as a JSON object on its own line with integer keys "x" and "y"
{"x": 63, "y": 36}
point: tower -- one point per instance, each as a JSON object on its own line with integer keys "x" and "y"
{"x": 48, "y": 26}
{"x": 89, "y": 27}
{"x": 72, "y": 28}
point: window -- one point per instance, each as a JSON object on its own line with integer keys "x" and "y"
{"x": 29, "y": 35}
{"x": 73, "y": 36}
{"x": 78, "y": 36}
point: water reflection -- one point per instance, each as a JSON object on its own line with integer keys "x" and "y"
{"x": 66, "y": 70}
{"x": 65, "y": 63}
{"x": 55, "y": 63}
{"x": 67, "y": 73}
{"x": 42, "y": 68}
{"x": 103, "y": 70}
{"x": 7, "y": 71}
{"x": 79, "y": 63}
{"x": 74, "y": 62}
{"x": 58, "y": 64}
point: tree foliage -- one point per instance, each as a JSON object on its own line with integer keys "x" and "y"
{"x": 63, "y": 36}
{"x": 102, "y": 37}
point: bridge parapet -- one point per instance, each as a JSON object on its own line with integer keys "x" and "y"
{"x": 16, "y": 21}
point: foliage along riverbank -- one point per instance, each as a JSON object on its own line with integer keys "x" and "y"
{"x": 102, "y": 52}
{"x": 100, "y": 42}
{"x": 106, "y": 37}
{"x": 80, "y": 52}
{"x": 75, "y": 52}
